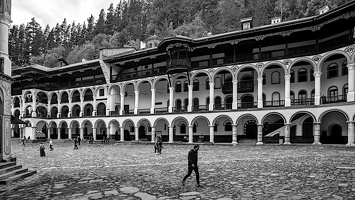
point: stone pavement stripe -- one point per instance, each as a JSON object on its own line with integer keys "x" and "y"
{"x": 345, "y": 167}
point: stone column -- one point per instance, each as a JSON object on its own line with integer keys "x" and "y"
{"x": 171, "y": 134}
{"x": 49, "y": 131}
{"x": 152, "y": 107}
{"x": 12, "y": 131}
{"x": 235, "y": 94}
{"x": 122, "y": 104}
{"x": 234, "y": 134}
{"x": 211, "y": 133}
{"x": 109, "y": 103}
{"x": 260, "y": 92}
{"x": 153, "y": 133}
{"x": 34, "y": 108}
{"x": 59, "y": 106}
{"x": 136, "y": 102}
{"x": 171, "y": 99}
{"x": 316, "y": 132}
{"x": 121, "y": 133}
{"x": 260, "y": 134}
{"x": 69, "y": 133}
{"x": 287, "y": 90}
{"x": 317, "y": 80}
{"x": 191, "y": 137}
{"x": 49, "y": 108}
{"x": 94, "y": 112}
{"x": 70, "y": 114}
{"x": 351, "y": 82}
{"x": 189, "y": 107}
{"x": 81, "y": 106}
{"x": 351, "y": 134}
{"x": 108, "y": 131}
{"x": 94, "y": 133}
{"x": 211, "y": 105}
{"x": 58, "y": 131}
{"x": 287, "y": 134}
{"x": 136, "y": 136}
{"x": 81, "y": 133}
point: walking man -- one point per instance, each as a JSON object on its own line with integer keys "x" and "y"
{"x": 192, "y": 165}
{"x": 51, "y": 145}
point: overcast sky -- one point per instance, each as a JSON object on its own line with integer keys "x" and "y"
{"x": 54, "y": 11}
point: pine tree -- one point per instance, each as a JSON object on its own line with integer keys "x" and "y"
{"x": 100, "y": 24}
{"x": 110, "y": 21}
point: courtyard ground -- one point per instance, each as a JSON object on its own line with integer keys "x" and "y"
{"x": 133, "y": 171}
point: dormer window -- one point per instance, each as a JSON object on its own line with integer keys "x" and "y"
{"x": 246, "y": 23}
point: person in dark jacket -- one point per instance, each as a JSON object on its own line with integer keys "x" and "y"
{"x": 192, "y": 165}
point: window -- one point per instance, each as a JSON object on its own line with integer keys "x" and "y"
{"x": 217, "y": 83}
{"x": 292, "y": 79}
{"x": 264, "y": 79}
{"x": 344, "y": 68}
{"x": 207, "y": 102}
{"x": 332, "y": 70}
{"x": 131, "y": 129}
{"x": 101, "y": 92}
{"x": 215, "y": 128}
{"x": 275, "y": 78}
{"x": 333, "y": 91}
{"x": 311, "y": 76}
{"x": 186, "y": 86}
{"x": 302, "y": 75}
{"x": 195, "y": 104}
{"x": 186, "y": 103}
{"x": 292, "y": 95}
{"x": 196, "y": 85}
{"x": 178, "y": 86}
{"x": 218, "y": 102}
{"x": 178, "y": 104}
{"x": 194, "y": 128}
{"x": 183, "y": 129}
{"x": 207, "y": 84}
{"x": 275, "y": 96}
{"x": 312, "y": 94}
{"x": 228, "y": 126}
{"x": 345, "y": 89}
{"x": 302, "y": 94}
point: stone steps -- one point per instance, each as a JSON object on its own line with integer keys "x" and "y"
{"x": 10, "y": 172}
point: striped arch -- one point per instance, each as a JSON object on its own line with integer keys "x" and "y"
{"x": 113, "y": 121}
{"x": 304, "y": 59}
{"x": 126, "y": 121}
{"x": 52, "y": 123}
{"x": 40, "y": 124}
{"x": 328, "y": 54}
{"x": 86, "y": 89}
{"x": 274, "y": 113}
{"x": 278, "y": 63}
{"x": 305, "y": 112}
{"x": 124, "y": 85}
{"x": 84, "y": 122}
{"x": 50, "y": 95}
{"x": 98, "y": 121}
{"x": 98, "y": 88}
{"x": 72, "y": 93}
{"x": 220, "y": 116}
{"x": 333, "y": 110}
{"x": 72, "y": 123}
{"x": 248, "y": 66}
{"x": 246, "y": 115}
{"x": 200, "y": 72}
{"x": 143, "y": 119}
{"x": 62, "y": 123}
{"x": 223, "y": 69}
{"x": 200, "y": 117}
{"x": 161, "y": 118}
{"x": 113, "y": 85}
{"x": 143, "y": 81}
{"x": 158, "y": 79}
{"x": 177, "y": 118}
{"x": 174, "y": 80}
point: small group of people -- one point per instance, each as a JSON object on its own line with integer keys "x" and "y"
{"x": 158, "y": 145}
{"x": 76, "y": 142}
{"x": 42, "y": 151}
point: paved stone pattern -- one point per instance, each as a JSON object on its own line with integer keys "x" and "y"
{"x": 125, "y": 171}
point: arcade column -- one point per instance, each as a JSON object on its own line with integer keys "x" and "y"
{"x": 5, "y": 80}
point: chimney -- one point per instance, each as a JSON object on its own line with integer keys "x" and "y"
{"x": 246, "y": 23}
{"x": 324, "y": 9}
{"x": 275, "y": 20}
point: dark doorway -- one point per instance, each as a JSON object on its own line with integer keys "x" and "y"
{"x": 141, "y": 132}
{"x": 127, "y": 135}
{"x": 247, "y": 101}
{"x": 126, "y": 109}
{"x": 307, "y": 129}
{"x": 335, "y": 134}
{"x": 251, "y": 130}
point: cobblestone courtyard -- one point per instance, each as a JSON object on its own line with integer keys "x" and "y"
{"x": 125, "y": 171}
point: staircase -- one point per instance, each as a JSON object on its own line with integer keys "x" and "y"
{"x": 10, "y": 172}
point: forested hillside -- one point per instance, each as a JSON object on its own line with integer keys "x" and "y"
{"x": 132, "y": 21}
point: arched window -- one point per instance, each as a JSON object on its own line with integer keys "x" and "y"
{"x": 207, "y": 84}
{"x": 207, "y": 102}
{"x": 194, "y": 128}
{"x": 333, "y": 91}
{"x": 345, "y": 90}
{"x": 275, "y": 78}
{"x": 228, "y": 126}
{"x": 183, "y": 129}
{"x": 186, "y": 103}
{"x": 332, "y": 70}
{"x": 186, "y": 86}
{"x": 311, "y": 76}
{"x": 195, "y": 104}
{"x": 178, "y": 86}
{"x": 178, "y": 104}
{"x": 264, "y": 97}
{"x": 292, "y": 96}
{"x": 292, "y": 78}
{"x": 344, "y": 68}
{"x": 276, "y": 99}
{"x": 302, "y": 94}
{"x": 302, "y": 75}
{"x": 215, "y": 128}
{"x": 312, "y": 94}
{"x": 217, "y": 102}
{"x": 264, "y": 79}
{"x": 196, "y": 85}
{"x": 217, "y": 83}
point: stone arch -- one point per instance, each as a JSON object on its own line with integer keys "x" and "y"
{"x": 200, "y": 117}
{"x": 125, "y": 84}
{"x": 72, "y": 123}
{"x": 95, "y": 90}
{"x": 333, "y": 110}
{"x": 73, "y": 91}
{"x": 247, "y": 115}
{"x": 278, "y": 63}
{"x": 109, "y": 91}
{"x": 200, "y": 72}
{"x": 160, "y": 118}
{"x": 223, "y": 69}
{"x": 158, "y": 79}
{"x": 329, "y": 54}
{"x": 274, "y": 113}
{"x": 248, "y": 66}
{"x": 175, "y": 79}
{"x": 143, "y": 81}
{"x": 126, "y": 121}
{"x": 113, "y": 121}
{"x": 52, "y": 124}
{"x": 179, "y": 117}
{"x": 98, "y": 121}
{"x": 83, "y": 123}
{"x": 143, "y": 119}
{"x": 61, "y": 123}
{"x": 303, "y": 59}
{"x": 304, "y": 112}
{"x": 220, "y": 116}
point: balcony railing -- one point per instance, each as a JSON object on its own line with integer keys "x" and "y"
{"x": 245, "y": 105}
{"x": 114, "y": 113}
{"x": 278, "y": 103}
{"x": 199, "y": 108}
{"x": 161, "y": 110}
{"x": 302, "y": 102}
{"x": 333, "y": 99}
{"x": 180, "y": 109}
{"x": 226, "y": 106}
{"x": 129, "y": 112}
{"x": 144, "y": 111}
